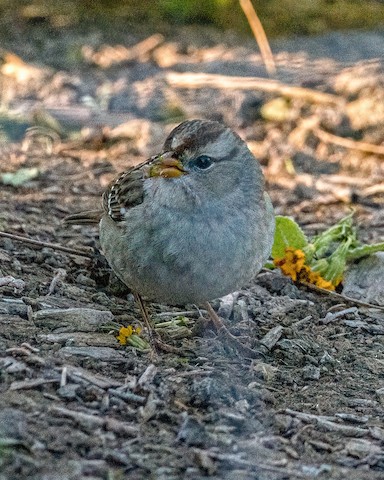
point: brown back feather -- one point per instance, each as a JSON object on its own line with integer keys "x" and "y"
{"x": 124, "y": 193}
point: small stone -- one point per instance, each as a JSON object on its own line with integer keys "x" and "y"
{"x": 361, "y": 448}
{"x": 12, "y": 423}
{"x": 227, "y": 304}
{"x": 272, "y": 337}
{"x": 311, "y": 372}
{"x": 8, "y": 245}
{"x": 14, "y": 308}
{"x": 101, "y": 298}
{"x": 380, "y": 395}
{"x": 86, "y": 281}
{"x": 11, "y": 365}
{"x": 192, "y": 432}
{"x": 69, "y": 391}
{"x": 377, "y": 432}
{"x": 242, "y": 406}
{"x": 364, "y": 280}
{"x": 327, "y": 359}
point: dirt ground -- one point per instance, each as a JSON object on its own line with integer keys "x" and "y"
{"x": 74, "y": 403}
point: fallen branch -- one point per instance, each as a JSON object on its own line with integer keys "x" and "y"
{"x": 84, "y": 252}
{"x": 327, "y": 137}
{"x": 330, "y": 293}
{"x": 341, "y": 296}
{"x": 209, "y": 80}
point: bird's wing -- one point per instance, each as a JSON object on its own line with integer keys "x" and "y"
{"x": 90, "y": 217}
{"x": 123, "y": 193}
{"x": 126, "y": 191}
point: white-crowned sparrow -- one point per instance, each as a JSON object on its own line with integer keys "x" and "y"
{"x": 192, "y": 223}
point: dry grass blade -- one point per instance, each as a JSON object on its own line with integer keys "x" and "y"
{"x": 366, "y": 147}
{"x": 260, "y": 36}
{"x": 109, "y": 55}
{"x": 84, "y": 252}
{"x": 224, "y": 82}
{"x": 341, "y": 296}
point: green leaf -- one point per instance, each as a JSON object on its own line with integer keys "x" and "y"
{"x": 326, "y": 242}
{"x": 338, "y": 262}
{"x": 137, "y": 342}
{"x": 364, "y": 250}
{"x": 287, "y": 234}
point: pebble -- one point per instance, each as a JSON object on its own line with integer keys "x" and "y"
{"x": 311, "y": 372}
{"x": 86, "y": 281}
{"x": 364, "y": 280}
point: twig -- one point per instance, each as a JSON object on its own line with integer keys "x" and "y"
{"x": 340, "y": 295}
{"x": 210, "y": 80}
{"x": 59, "y": 277}
{"x": 176, "y": 314}
{"x": 260, "y": 36}
{"x": 127, "y": 396}
{"x": 330, "y": 293}
{"x": 85, "y": 252}
{"x": 308, "y": 417}
{"x": 328, "y": 424}
{"x": 373, "y": 190}
{"x": 333, "y": 316}
{"x": 108, "y": 55}
{"x": 237, "y": 460}
{"x": 78, "y": 375}
{"x": 32, "y": 383}
{"x": 88, "y": 421}
{"x": 145, "y": 46}
{"x": 348, "y": 142}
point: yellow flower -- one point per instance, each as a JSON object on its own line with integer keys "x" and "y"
{"x": 293, "y": 265}
{"x": 309, "y": 276}
{"x": 126, "y": 332}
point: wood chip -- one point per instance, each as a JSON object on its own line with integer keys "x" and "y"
{"x": 147, "y": 377}
{"x": 272, "y": 337}
{"x": 103, "y": 354}
{"x": 342, "y": 429}
{"x": 73, "y": 319}
{"x": 28, "y": 384}
{"x": 76, "y": 373}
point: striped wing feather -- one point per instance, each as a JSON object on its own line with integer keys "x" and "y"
{"x": 124, "y": 193}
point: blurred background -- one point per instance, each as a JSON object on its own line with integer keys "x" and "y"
{"x": 280, "y": 18}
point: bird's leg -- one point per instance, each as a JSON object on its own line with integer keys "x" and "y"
{"x": 154, "y": 338}
{"x": 223, "y": 331}
{"x": 145, "y": 315}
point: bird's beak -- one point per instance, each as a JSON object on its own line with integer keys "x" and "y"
{"x": 166, "y": 166}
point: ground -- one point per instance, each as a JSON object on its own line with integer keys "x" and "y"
{"x": 76, "y": 404}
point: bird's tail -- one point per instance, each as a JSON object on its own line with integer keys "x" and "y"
{"x": 90, "y": 217}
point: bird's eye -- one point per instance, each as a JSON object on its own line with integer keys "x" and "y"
{"x": 203, "y": 162}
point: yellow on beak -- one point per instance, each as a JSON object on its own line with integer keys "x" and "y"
{"x": 166, "y": 168}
